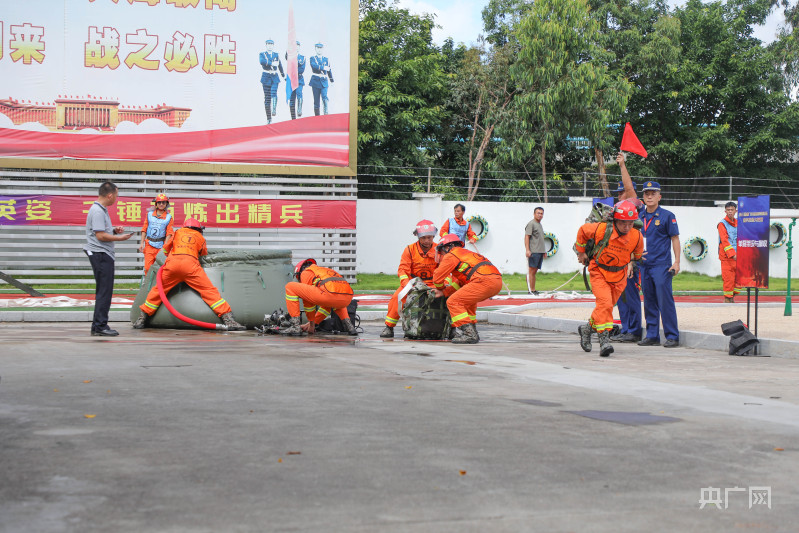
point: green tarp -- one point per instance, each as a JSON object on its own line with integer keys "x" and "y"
{"x": 252, "y": 281}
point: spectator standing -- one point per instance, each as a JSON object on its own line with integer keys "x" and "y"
{"x": 100, "y": 239}
{"x": 534, "y": 248}
{"x": 459, "y": 226}
{"x": 728, "y": 248}
{"x": 661, "y": 238}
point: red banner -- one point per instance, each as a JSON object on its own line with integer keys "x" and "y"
{"x": 53, "y": 210}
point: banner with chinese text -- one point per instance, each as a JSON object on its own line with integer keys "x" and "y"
{"x": 754, "y": 223}
{"x": 52, "y": 210}
{"x": 166, "y": 83}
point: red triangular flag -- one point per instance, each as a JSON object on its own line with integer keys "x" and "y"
{"x": 630, "y": 143}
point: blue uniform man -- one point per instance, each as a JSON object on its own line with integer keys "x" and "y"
{"x": 294, "y": 98}
{"x": 270, "y": 79}
{"x": 321, "y": 73}
{"x": 661, "y": 238}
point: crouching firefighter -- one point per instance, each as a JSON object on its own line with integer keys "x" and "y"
{"x": 479, "y": 280}
{"x": 321, "y": 290}
{"x": 607, "y": 249}
{"x": 183, "y": 264}
{"x": 418, "y": 261}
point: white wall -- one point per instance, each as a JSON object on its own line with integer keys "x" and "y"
{"x": 385, "y": 227}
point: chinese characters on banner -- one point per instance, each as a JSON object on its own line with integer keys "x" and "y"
{"x": 51, "y": 210}
{"x": 754, "y": 223}
{"x": 172, "y": 81}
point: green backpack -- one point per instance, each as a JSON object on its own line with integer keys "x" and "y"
{"x": 425, "y": 316}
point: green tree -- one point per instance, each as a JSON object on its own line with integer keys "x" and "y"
{"x": 563, "y": 82}
{"x": 401, "y": 91}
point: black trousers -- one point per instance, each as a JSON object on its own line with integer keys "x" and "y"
{"x": 103, "y": 268}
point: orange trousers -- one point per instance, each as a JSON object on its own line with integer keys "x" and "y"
{"x": 463, "y": 304}
{"x": 185, "y": 268}
{"x": 728, "y": 277}
{"x": 149, "y": 256}
{"x": 317, "y": 303}
{"x": 606, "y": 295}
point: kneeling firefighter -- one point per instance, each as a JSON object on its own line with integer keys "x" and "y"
{"x": 479, "y": 280}
{"x": 321, "y": 290}
{"x": 608, "y": 258}
{"x": 183, "y": 264}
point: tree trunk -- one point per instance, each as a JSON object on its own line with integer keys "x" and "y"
{"x": 603, "y": 180}
{"x": 544, "y": 168}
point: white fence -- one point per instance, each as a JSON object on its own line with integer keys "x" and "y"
{"x": 385, "y": 227}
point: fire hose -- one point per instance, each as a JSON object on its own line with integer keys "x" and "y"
{"x": 178, "y": 315}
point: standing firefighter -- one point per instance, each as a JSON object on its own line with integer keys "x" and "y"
{"x": 321, "y": 290}
{"x": 479, "y": 280}
{"x": 608, "y": 261}
{"x": 156, "y": 230}
{"x": 183, "y": 264}
{"x": 418, "y": 261}
{"x": 728, "y": 246}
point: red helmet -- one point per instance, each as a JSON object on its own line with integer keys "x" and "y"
{"x": 302, "y": 265}
{"x": 625, "y": 210}
{"x": 449, "y": 238}
{"x": 425, "y": 228}
{"x": 161, "y": 198}
{"x": 191, "y": 222}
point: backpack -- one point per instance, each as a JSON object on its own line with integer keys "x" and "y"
{"x": 423, "y": 315}
{"x": 599, "y": 213}
{"x": 333, "y": 324}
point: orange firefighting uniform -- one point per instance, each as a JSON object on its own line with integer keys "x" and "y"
{"x": 183, "y": 264}
{"x": 318, "y": 295}
{"x": 607, "y": 284}
{"x": 470, "y": 234}
{"x": 473, "y": 279}
{"x": 149, "y": 251}
{"x": 728, "y": 258}
{"x": 413, "y": 264}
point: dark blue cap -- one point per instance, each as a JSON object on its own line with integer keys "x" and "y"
{"x": 651, "y": 186}
{"x": 621, "y": 187}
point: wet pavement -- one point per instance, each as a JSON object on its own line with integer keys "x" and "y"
{"x": 199, "y": 431}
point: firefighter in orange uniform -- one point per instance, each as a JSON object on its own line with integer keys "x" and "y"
{"x": 156, "y": 230}
{"x": 728, "y": 246}
{"x": 183, "y": 264}
{"x": 418, "y": 261}
{"x": 459, "y": 226}
{"x": 609, "y": 269}
{"x": 321, "y": 290}
{"x": 473, "y": 279}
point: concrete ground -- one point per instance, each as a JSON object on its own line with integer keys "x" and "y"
{"x": 195, "y": 431}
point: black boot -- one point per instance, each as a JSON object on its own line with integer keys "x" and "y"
{"x": 299, "y": 107}
{"x": 142, "y": 321}
{"x": 349, "y": 327}
{"x": 468, "y": 335}
{"x": 585, "y": 336}
{"x": 231, "y": 323}
{"x": 605, "y": 347}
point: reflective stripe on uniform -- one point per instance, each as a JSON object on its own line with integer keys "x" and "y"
{"x": 151, "y": 306}
{"x": 460, "y": 317}
{"x": 392, "y": 321}
{"x": 324, "y": 312}
{"x": 218, "y": 303}
{"x": 292, "y": 298}
{"x": 310, "y": 309}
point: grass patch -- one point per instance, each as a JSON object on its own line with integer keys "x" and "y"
{"x": 547, "y": 281}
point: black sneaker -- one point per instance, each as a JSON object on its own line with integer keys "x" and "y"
{"x": 649, "y": 341}
{"x": 628, "y": 337}
{"x": 105, "y": 333}
{"x": 671, "y": 343}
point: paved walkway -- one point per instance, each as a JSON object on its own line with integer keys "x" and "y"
{"x": 197, "y": 431}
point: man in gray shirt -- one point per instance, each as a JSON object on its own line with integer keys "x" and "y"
{"x": 535, "y": 249}
{"x": 100, "y": 238}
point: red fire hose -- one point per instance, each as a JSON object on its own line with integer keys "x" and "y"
{"x": 178, "y": 315}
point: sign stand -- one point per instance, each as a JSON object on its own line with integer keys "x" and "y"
{"x": 756, "y": 349}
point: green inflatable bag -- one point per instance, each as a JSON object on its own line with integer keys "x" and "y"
{"x": 252, "y": 281}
